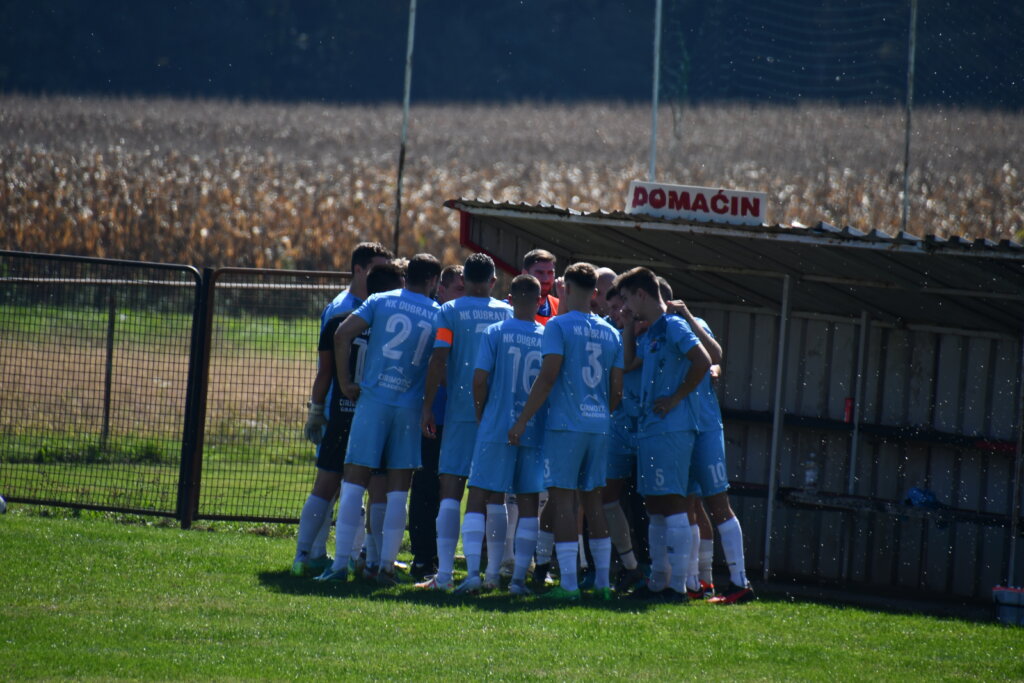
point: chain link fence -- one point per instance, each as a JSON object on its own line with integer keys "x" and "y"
{"x": 156, "y": 389}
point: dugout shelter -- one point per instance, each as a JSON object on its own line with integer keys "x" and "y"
{"x": 872, "y": 387}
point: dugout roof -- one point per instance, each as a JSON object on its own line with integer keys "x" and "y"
{"x": 904, "y": 279}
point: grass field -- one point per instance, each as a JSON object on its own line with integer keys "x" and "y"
{"x": 91, "y": 597}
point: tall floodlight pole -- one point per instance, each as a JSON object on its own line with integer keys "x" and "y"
{"x": 911, "y": 50}
{"x": 654, "y": 94}
{"x": 405, "y": 119}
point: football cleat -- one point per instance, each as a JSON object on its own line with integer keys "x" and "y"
{"x": 645, "y": 592}
{"x": 432, "y": 584}
{"x": 603, "y": 594}
{"x": 388, "y": 579}
{"x": 629, "y": 579}
{"x": 562, "y": 595}
{"x": 519, "y": 589}
{"x": 708, "y": 588}
{"x": 369, "y": 572}
{"x": 298, "y": 568}
{"x": 471, "y": 586}
{"x": 673, "y": 596}
{"x": 333, "y": 575}
{"x": 507, "y": 567}
{"x": 540, "y": 574}
{"x": 734, "y": 595}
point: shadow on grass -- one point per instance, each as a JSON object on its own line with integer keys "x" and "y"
{"x": 498, "y": 601}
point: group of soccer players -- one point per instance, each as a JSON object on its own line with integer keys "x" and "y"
{"x": 559, "y": 402}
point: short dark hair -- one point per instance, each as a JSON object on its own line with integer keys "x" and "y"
{"x": 612, "y": 292}
{"x": 524, "y": 287}
{"x": 665, "y": 288}
{"x": 383, "y": 277}
{"x": 536, "y": 256}
{"x": 449, "y": 274}
{"x": 581, "y": 274}
{"x": 638, "y": 278}
{"x": 422, "y": 268}
{"x": 365, "y": 252}
{"x": 479, "y": 268}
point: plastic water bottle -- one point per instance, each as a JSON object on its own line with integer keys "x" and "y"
{"x": 811, "y": 473}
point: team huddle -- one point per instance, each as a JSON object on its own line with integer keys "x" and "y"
{"x": 551, "y": 410}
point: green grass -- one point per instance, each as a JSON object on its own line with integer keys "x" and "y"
{"x": 89, "y": 597}
{"x": 146, "y": 327}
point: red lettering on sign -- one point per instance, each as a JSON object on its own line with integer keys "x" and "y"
{"x": 750, "y": 206}
{"x": 720, "y": 203}
{"x": 657, "y": 198}
{"x": 639, "y": 196}
{"x": 699, "y": 203}
{"x": 678, "y": 201}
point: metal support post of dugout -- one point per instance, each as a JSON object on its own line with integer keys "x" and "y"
{"x": 858, "y": 400}
{"x": 777, "y": 415}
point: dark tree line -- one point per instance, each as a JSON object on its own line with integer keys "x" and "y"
{"x": 507, "y": 50}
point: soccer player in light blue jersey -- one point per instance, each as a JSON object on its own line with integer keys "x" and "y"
{"x": 708, "y": 480}
{"x": 324, "y": 406}
{"x": 674, "y": 363}
{"x": 622, "y": 446}
{"x": 385, "y": 428}
{"x": 581, "y": 381}
{"x": 507, "y": 363}
{"x": 461, "y": 323}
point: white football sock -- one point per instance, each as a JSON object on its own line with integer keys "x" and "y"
{"x": 566, "y": 552}
{"x": 512, "y": 514}
{"x": 583, "y": 552}
{"x": 526, "y": 544}
{"x": 394, "y": 529}
{"x": 310, "y": 522}
{"x": 659, "y": 562}
{"x": 693, "y": 565}
{"x": 706, "y": 555}
{"x": 472, "y": 541}
{"x": 447, "y": 537}
{"x": 677, "y": 546}
{"x": 545, "y": 546}
{"x": 618, "y": 529}
{"x": 601, "y": 550}
{"x": 497, "y": 527}
{"x": 349, "y": 518}
{"x": 319, "y": 548}
{"x": 375, "y": 539}
{"x": 732, "y": 544}
{"x": 360, "y": 539}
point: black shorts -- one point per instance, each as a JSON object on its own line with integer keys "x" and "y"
{"x": 331, "y": 454}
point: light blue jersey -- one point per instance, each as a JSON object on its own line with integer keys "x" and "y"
{"x": 402, "y": 328}
{"x": 460, "y": 326}
{"x": 345, "y": 302}
{"x": 663, "y": 349}
{"x": 590, "y": 348}
{"x": 510, "y": 353}
{"x": 703, "y": 400}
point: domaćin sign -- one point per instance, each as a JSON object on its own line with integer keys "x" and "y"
{"x": 704, "y": 204}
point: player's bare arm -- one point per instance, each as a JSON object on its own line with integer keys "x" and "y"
{"x": 480, "y": 392}
{"x": 352, "y": 327}
{"x": 549, "y": 369}
{"x": 436, "y": 371}
{"x": 709, "y": 343}
{"x": 614, "y": 389}
{"x": 700, "y": 362}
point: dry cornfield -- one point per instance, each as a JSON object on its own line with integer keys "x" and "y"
{"x": 216, "y": 183}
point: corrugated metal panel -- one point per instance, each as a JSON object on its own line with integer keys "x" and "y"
{"x": 975, "y": 285}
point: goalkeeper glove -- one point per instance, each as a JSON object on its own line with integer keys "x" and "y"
{"x": 315, "y": 422}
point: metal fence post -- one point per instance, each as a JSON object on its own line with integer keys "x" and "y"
{"x": 109, "y": 372}
{"x": 195, "y": 402}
